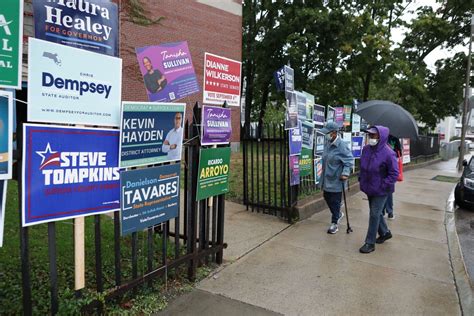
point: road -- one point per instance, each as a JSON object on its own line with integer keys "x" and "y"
{"x": 465, "y": 229}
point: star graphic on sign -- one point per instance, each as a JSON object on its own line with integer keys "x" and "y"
{"x": 46, "y": 151}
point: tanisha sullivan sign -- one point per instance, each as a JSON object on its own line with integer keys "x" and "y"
{"x": 149, "y": 197}
{"x": 151, "y": 133}
{"x": 213, "y": 172}
{"x": 68, "y": 172}
{"x": 88, "y": 24}
{"x": 72, "y": 86}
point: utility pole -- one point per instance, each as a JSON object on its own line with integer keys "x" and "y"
{"x": 466, "y": 99}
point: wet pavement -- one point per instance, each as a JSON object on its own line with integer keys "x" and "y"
{"x": 465, "y": 230}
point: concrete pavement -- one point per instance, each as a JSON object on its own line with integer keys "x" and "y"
{"x": 304, "y": 271}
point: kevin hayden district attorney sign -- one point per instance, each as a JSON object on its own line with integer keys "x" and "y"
{"x": 72, "y": 86}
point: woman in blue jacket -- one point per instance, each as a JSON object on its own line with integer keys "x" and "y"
{"x": 378, "y": 174}
{"x": 337, "y": 165}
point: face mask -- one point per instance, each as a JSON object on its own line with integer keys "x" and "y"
{"x": 328, "y": 137}
{"x": 373, "y": 141}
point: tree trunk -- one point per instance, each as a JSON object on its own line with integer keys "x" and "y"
{"x": 263, "y": 107}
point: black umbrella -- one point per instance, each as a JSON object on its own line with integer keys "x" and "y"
{"x": 400, "y": 122}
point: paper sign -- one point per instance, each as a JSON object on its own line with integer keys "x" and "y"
{"x": 216, "y": 125}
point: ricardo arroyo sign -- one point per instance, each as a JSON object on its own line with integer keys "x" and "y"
{"x": 151, "y": 133}
{"x": 68, "y": 172}
{"x": 86, "y": 24}
{"x": 149, "y": 197}
{"x": 221, "y": 80}
{"x": 72, "y": 86}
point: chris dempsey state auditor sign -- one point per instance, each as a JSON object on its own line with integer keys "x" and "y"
{"x": 68, "y": 172}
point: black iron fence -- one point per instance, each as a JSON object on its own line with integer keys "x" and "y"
{"x": 194, "y": 238}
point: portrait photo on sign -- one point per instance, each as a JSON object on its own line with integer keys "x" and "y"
{"x": 6, "y": 134}
{"x": 151, "y": 133}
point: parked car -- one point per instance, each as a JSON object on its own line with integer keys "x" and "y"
{"x": 464, "y": 191}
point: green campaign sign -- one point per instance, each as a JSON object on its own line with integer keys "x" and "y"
{"x": 11, "y": 40}
{"x": 213, "y": 176}
{"x": 306, "y": 162}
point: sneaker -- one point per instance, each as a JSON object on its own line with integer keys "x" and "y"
{"x": 383, "y": 238}
{"x": 333, "y": 229}
{"x": 340, "y": 217}
{"x": 367, "y": 248}
{"x": 391, "y": 216}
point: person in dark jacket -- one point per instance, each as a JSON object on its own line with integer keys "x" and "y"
{"x": 337, "y": 166}
{"x": 394, "y": 143}
{"x": 377, "y": 177}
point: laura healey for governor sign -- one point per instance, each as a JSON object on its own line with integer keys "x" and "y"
{"x": 88, "y": 24}
{"x": 72, "y": 86}
{"x": 149, "y": 197}
{"x": 68, "y": 172}
{"x": 151, "y": 133}
{"x": 11, "y": 40}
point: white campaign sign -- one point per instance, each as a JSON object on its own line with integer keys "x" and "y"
{"x": 72, "y": 86}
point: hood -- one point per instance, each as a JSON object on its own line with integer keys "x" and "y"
{"x": 383, "y": 133}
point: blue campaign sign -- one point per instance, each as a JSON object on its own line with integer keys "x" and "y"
{"x": 68, "y": 172}
{"x": 279, "y": 76}
{"x": 295, "y": 140}
{"x": 87, "y": 24}
{"x": 151, "y": 133}
{"x": 149, "y": 197}
{"x": 357, "y": 142}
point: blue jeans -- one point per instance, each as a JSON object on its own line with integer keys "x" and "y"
{"x": 389, "y": 204}
{"x": 333, "y": 200}
{"x": 376, "y": 220}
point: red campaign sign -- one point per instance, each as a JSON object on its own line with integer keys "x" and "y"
{"x": 221, "y": 80}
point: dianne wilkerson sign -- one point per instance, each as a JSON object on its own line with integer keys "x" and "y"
{"x": 151, "y": 133}
{"x": 216, "y": 125}
{"x": 167, "y": 71}
{"x": 221, "y": 80}
{"x": 11, "y": 40}
{"x": 149, "y": 197}
{"x": 6, "y": 134}
{"x": 213, "y": 172}
{"x": 68, "y": 172}
{"x": 72, "y": 86}
{"x": 87, "y": 24}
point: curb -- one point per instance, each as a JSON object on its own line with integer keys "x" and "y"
{"x": 461, "y": 278}
{"x": 311, "y": 205}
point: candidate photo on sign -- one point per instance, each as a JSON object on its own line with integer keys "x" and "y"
{"x": 174, "y": 139}
{"x": 154, "y": 79}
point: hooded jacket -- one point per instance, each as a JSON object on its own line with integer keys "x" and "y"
{"x": 337, "y": 161}
{"x": 378, "y": 167}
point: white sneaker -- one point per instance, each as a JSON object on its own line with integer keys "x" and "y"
{"x": 340, "y": 217}
{"x": 333, "y": 229}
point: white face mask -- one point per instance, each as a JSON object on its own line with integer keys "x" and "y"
{"x": 328, "y": 137}
{"x": 373, "y": 141}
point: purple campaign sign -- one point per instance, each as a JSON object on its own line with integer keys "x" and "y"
{"x": 167, "y": 71}
{"x": 340, "y": 116}
{"x": 294, "y": 170}
{"x": 216, "y": 125}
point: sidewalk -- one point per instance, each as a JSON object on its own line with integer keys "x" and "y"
{"x": 304, "y": 271}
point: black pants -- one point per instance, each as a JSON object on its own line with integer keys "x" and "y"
{"x": 333, "y": 200}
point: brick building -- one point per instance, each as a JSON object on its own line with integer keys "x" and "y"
{"x": 213, "y": 26}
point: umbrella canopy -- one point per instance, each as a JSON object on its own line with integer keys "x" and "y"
{"x": 379, "y": 112}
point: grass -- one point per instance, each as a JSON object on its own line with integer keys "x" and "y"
{"x": 146, "y": 299}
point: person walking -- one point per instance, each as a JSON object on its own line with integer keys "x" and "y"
{"x": 337, "y": 165}
{"x": 394, "y": 143}
{"x": 377, "y": 177}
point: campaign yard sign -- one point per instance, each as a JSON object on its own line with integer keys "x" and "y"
{"x": 68, "y": 172}
{"x": 339, "y": 118}
{"x": 213, "y": 172}
{"x": 289, "y": 80}
{"x": 301, "y": 104}
{"x": 357, "y": 144}
{"x": 406, "y": 150}
{"x": 279, "y": 76}
{"x": 306, "y": 162}
{"x": 72, "y": 86}
{"x": 318, "y": 169}
{"x": 221, "y": 80}
{"x": 318, "y": 115}
{"x": 151, "y": 133}
{"x": 291, "y": 113}
{"x": 168, "y": 71}
{"x": 320, "y": 141}
{"x": 294, "y": 162}
{"x": 295, "y": 140}
{"x": 216, "y": 125}
{"x": 87, "y": 24}
{"x": 355, "y": 123}
{"x": 347, "y": 115}
{"x": 149, "y": 197}
{"x": 307, "y": 130}
{"x": 11, "y": 43}
{"x": 331, "y": 114}
{"x": 3, "y": 199}
{"x": 6, "y": 134}
{"x": 309, "y": 105}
